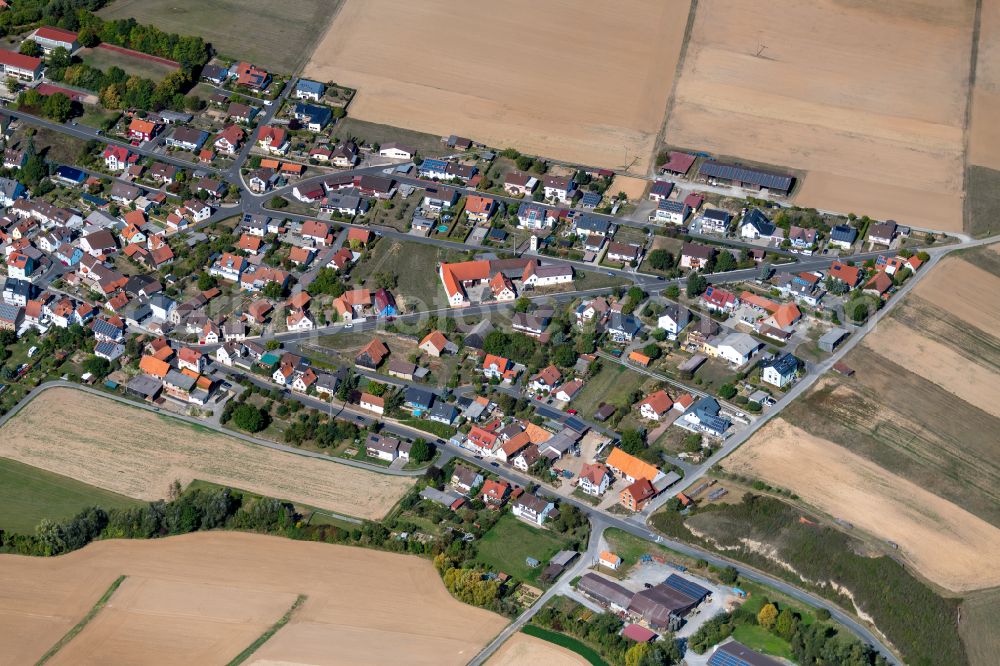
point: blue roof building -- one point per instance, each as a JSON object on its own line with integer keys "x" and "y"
{"x": 306, "y": 89}
{"x": 316, "y": 117}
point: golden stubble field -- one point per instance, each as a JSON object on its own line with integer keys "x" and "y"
{"x": 524, "y": 649}
{"x": 906, "y": 449}
{"x": 867, "y": 97}
{"x": 202, "y": 598}
{"x": 984, "y": 130}
{"x": 573, "y": 80}
{"x": 138, "y": 454}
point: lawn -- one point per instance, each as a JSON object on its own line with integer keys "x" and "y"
{"x": 506, "y": 546}
{"x": 762, "y": 640}
{"x": 97, "y": 117}
{"x": 568, "y": 642}
{"x": 613, "y": 384}
{"x": 426, "y": 145}
{"x": 28, "y": 494}
{"x": 55, "y": 146}
{"x": 415, "y": 267}
{"x": 279, "y": 36}
{"x": 630, "y": 548}
{"x": 105, "y": 59}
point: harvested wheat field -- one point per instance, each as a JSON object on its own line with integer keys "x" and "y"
{"x": 965, "y": 291}
{"x": 937, "y": 362}
{"x": 524, "y": 649}
{"x": 867, "y": 97}
{"x": 220, "y": 590}
{"x": 138, "y": 454}
{"x": 984, "y": 130}
{"x": 574, "y": 80}
{"x": 942, "y": 541}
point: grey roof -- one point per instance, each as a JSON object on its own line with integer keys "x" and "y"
{"x": 466, "y": 475}
{"x": 833, "y": 336}
{"x": 18, "y": 287}
{"x": 9, "y": 312}
{"x": 658, "y": 603}
{"x": 625, "y": 323}
{"x": 592, "y": 223}
{"x": 418, "y": 397}
{"x": 8, "y": 186}
{"x": 532, "y": 502}
{"x": 604, "y": 590}
{"x": 717, "y": 214}
{"x": 529, "y": 322}
{"x": 105, "y": 328}
{"x": 844, "y": 233}
{"x": 773, "y": 181}
{"x": 144, "y": 384}
{"x": 443, "y": 411}
{"x": 180, "y": 380}
{"x": 112, "y": 349}
{"x": 735, "y": 653}
{"x": 758, "y": 221}
{"x": 384, "y": 444}
{"x": 125, "y": 191}
{"x": 740, "y": 342}
{"x": 784, "y": 364}
{"x": 445, "y": 497}
{"x": 564, "y": 557}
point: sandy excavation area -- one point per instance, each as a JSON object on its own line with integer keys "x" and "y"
{"x": 567, "y": 79}
{"x": 942, "y": 541}
{"x": 881, "y": 136}
{"x": 221, "y": 590}
{"x": 138, "y": 454}
{"x": 524, "y": 649}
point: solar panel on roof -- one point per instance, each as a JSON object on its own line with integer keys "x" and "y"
{"x": 742, "y": 174}
{"x": 685, "y": 586}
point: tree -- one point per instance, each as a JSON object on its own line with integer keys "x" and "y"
{"x": 652, "y": 350}
{"x": 421, "y": 451}
{"x": 767, "y": 616}
{"x": 725, "y": 262}
{"x": 636, "y": 655}
{"x": 636, "y": 294}
{"x": 729, "y": 575}
{"x": 727, "y": 391}
{"x": 206, "y": 282}
{"x": 859, "y": 312}
{"x": 59, "y": 58}
{"x": 97, "y": 366}
{"x": 273, "y": 290}
{"x": 377, "y": 388}
{"x": 696, "y": 285}
{"x": 278, "y": 202}
{"x": 786, "y": 625}
{"x": 30, "y": 47}
{"x": 564, "y": 356}
{"x": 661, "y": 260}
{"x": 249, "y": 418}
{"x": 923, "y": 256}
{"x": 672, "y": 291}
{"x": 632, "y": 441}
{"x": 522, "y": 304}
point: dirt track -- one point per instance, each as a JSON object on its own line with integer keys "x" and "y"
{"x": 565, "y": 79}
{"x": 943, "y": 542}
{"x": 138, "y": 454}
{"x": 221, "y": 590}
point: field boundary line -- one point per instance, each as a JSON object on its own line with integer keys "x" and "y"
{"x": 266, "y": 636}
{"x": 81, "y": 625}
{"x": 682, "y": 56}
{"x": 967, "y": 124}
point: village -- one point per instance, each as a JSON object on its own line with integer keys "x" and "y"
{"x": 570, "y": 347}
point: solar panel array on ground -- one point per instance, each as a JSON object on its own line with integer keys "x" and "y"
{"x": 685, "y": 586}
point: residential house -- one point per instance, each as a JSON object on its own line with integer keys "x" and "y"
{"x": 382, "y": 447}
{"x": 306, "y": 89}
{"x": 660, "y": 190}
{"x": 630, "y": 468}
{"x": 142, "y": 130}
{"x": 464, "y": 479}
{"x": 843, "y": 236}
{"x": 624, "y": 253}
{"x": 482, "y": 441}
{"x": 117, "y": 158}
{"x": 715, "y": 221}
{"x": 250, "y": 76}
{"x": 696, "y": 256}
{"x": 397, "y": 151}
{"x": 623, "y": 328}
{"x": 656, "y": 406}
{"x": 273, "y": 139}
{"x": 229, "y": 140}
{"x": 780, "y": 371}
{"x": 498, "y": 367}
{"x": 11, "y": 191}
{"x": 495, "y": 493}
{"x": 592, "y": 225}
{"x": 372, "y": 403}
{"x": 849, "y": 275}
{"x": 559, "y": 188}
{"x": 673, "y": 319}
{"x": 594, "y": 479}
{"x": 372, "y": 355}
{"x": 532, "y": 508}
{"x": 883, "y": 233}
{"x": 756, "y": 226}
{"x": 801, "y": 238}
{"x": 672, "y": 212}
{"x": 228, "y": 267}
{"x": 518, "y": 183}
{"x": 637, "y": 494}
{"x": 315, "y": 118}
{"x": 532, "y": 216}
{"x": 479, "y": 209}
{"x": 569, "y": 389}
{"x": 879, "y": 285}
{"x": 435, "y": 344}
{"x": 737, "y": 348}
{"x": 704, "y": 417}
{"x": 536, "y": 275}
{"x": 546, "y": 380}
{"x": 186, "y": 138}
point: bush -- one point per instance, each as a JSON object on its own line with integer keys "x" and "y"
{"x": 249, "y": 418}
{"x": 727, "y": 391}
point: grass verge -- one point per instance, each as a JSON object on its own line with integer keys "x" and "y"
{"x": 567, "y": 642}
{"x": 266, "y": 636}
{"x": 101, "y": 603}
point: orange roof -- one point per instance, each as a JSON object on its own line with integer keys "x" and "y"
{"x": 640, "y": 358}
{"x": 519, "y": 441}
{"x": 608, "y": 556}
{"x": 659, "y": 401}
{"x": 685, "y": 401}
{"x": 299, "y": 300}
{"x": 269, "y": 164}
{"x": 436, "y": 338}
{"x": 163, "y": 353}
{"x": 758, "y": 301}
{"x": 640, "y": 490}
{"x": 154, "y": 366}
{"x": 787, "y": 314}
{"x": 356, "y": 297}
{"x": 914, "y": 262}
{"x": 478, "y": 204}
{"x": 142, "y": 126}
{"x": 372, "y": 399}
{"x": 376, "y": 349}
{"x": 631, "y": 466}
{"x": 501, "y": 282}
{"x": 188, "y": 372}
{"x": 291, "y": 167}
{"x": 358, "y": 234}
{"x": 845, "y": 273}
{"x": 189, "y": 355}
{"x": 299, "y": 255}
{"x": 136, "y": 217}
{"x": 315, "y": 229}
{"x": 249, "y": 243}
{"x": 593, "y": 471}
{"x": 465, "y": 271}
{"x": 499, "y": 361}
{"x": 537, "y": 433}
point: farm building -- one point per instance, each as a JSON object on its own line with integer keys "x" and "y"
{"x": 745, "y": 177}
